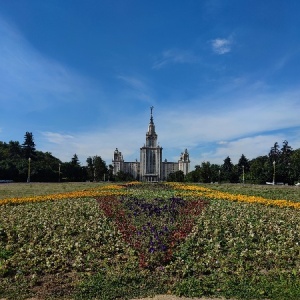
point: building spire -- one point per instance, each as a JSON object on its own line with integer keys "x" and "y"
{"x": 151, "y": 128}
{"x": 151, "y": 116}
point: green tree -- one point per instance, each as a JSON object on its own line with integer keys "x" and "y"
{"x": 260, "y": 170}
{"x": 96, "y": 168}
{"x": 285, "y": 163}
{"x": 15, "y": 150}
{"x": 45, "y": 167}
{"x": 243, "y": 167}
{"x": 177, "y": 176}
{"x": 228, "y": 173}
{"x": 192, "y": 176}
{"x": 3, "y": 151}
{"x": 8, "y": 170}
{"x": 75, "y": 160}
{"x": 122, "y": 176}
{"x": 215, "y": 172}
{"x": 72, "y": 171}
{"x": 280, "y": 162}
{"x": 275, "y": 165}
{"x": 90, "y": 168}
{"x": 286, "y": 152}
{"x": 111, "y": 173}
{"x": 205, "y": 172}
{"x": 28, "y": 145}
{"x": 295, "y": 166}
{"x": 274, "y": 153}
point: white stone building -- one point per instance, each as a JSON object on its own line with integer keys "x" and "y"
{"x": 151, "y": 168}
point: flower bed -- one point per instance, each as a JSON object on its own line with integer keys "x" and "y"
{"x": 149, "y": 239}
{"x": 153, "y": 227}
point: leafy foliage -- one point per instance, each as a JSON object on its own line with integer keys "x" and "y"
{"x": 177, "y": 176}
{"x": 123, "y": 176}
{"x": 28, "y": 145}
{"x": 96, "y": 168}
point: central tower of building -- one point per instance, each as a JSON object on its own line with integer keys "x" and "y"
{"x": 150, "y": 168}
{"x": 150, "y": 155}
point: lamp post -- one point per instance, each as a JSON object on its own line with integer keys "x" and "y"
{"x": 28, "y": 177}
{"x": 289, "y": 175}
{"x": 274, "y": 170}
{"x": 59, "y": 172}
{"x": 243, "y": 174}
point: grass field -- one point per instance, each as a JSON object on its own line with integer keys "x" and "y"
{"x": 11, "y": 190}
{"x": 104, "y": 241}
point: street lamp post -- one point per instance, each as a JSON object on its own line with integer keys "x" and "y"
{"x": 243, "y": 174}
{"x": 274, "y": 170}
{"x": 28, "y": 177}
{"x": 59, "y": 172}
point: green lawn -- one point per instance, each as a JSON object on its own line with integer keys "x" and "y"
{"x": 10, "y": 190}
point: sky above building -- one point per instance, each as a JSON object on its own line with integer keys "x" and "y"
{"x": 223, "y": 76}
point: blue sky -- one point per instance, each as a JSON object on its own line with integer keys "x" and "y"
{"x": 223, "y": 76}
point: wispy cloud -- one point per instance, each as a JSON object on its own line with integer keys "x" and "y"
{"x": 284, "y": 60}
{"x": 251, "y": 147}
{"x": 57, "y": 138}
{"x": 133, "y": 82}
{"x": 231, "y": 130}
{"x": 242, "y": 117}
{"x": 221, "y": 46}
{"x": 32, "y": 81}
{"x": 136, "y": 88}
{"x": 128, "y": 138}
{"x": 175, "y": 56}
{"x": 230, "y": 127}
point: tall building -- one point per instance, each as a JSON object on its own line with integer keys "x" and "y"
{"x": 151, "y": 168}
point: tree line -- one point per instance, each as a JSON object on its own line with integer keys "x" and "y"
{"x": 22, "y": 162}
{"x": 280, "y": 165}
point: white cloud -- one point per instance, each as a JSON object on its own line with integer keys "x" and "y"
{"x": 57, "y": 138}
{"x": 221, "y": 46}
{"x": 226, "y": 127}
{"x": 209, "y": 136}
{"x": 243, "y": 117}
{"x": 251, "y": 147}
{"x": 175, "y": 56}
{"x": 230, "y": 129}
{"x": 128, "y": 138}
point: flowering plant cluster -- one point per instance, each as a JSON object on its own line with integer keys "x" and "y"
{"x": 186, "y": 191}
{"x": 104, "y": 190}
{"x": 153, "y": 227}
{"x": 200, "y": 191}
{"x": 146, "y": 236}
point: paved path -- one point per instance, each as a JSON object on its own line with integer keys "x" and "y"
{"x": 171, "y": 297}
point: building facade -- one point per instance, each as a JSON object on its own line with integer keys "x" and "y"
{"x": 151, "y": 167}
